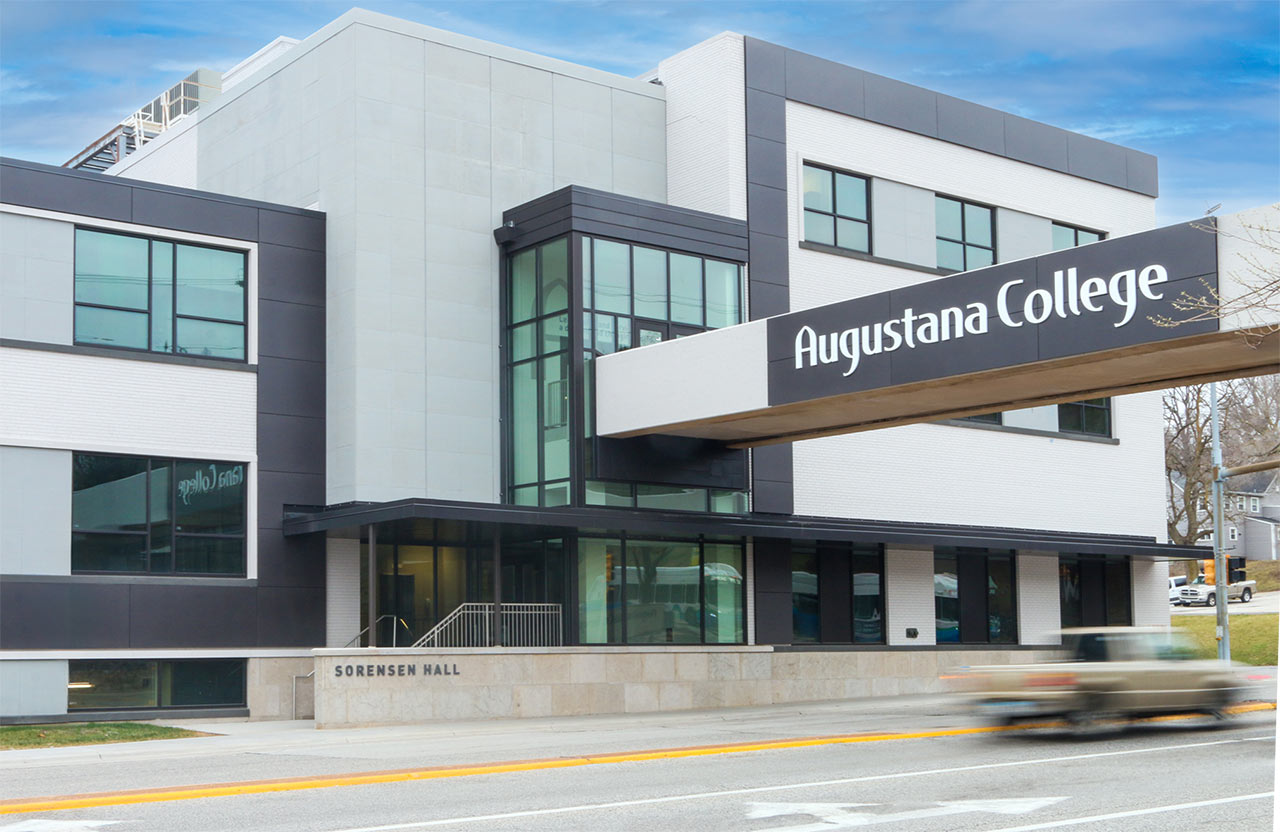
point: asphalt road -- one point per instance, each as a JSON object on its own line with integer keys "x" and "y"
{"x": 1155, "y": 776}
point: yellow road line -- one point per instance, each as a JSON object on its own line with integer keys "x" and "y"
{"x": 87, "y": 801}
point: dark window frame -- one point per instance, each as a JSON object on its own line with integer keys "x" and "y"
{"x": 959, "y": 553}
{"x": 1075, "y": 234}
{"x": 1084, "y": 408}
{"x": 173, "y": 281}
{"x": 963, "y": 242}
{"x": 174, "y": 534}
{"x": 834, "y": 214}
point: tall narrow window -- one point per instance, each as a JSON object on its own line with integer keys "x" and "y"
{"x": 966, "y": 234}
{"x": 835, "y": 209}
{"x": 136, "y": 293}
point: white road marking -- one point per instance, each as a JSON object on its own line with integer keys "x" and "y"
{"x": 1056, "y": 824}
{"x": 589, "y": 807}
{"x": 836, "y": 816}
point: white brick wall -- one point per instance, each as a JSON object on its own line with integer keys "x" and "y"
{"x": 1039, "y": 605}
{"x": 90, "y": 403}
{"x": 706, "y": 127}
{"x": 342, "y": 590}
{"x": 1150, "y": 593}
{"x": 908, "y": 583}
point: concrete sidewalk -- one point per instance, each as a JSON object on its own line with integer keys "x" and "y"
{"x": 242, "y": 750}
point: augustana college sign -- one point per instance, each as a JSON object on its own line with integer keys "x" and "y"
{"x": 1071, "y": 302}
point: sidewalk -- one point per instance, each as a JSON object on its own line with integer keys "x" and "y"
{"x": 242, "y": 750}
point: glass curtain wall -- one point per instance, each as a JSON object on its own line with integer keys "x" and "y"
{"x": 974, "y": 596}
{"x": 1094, "y": 591}
{"x": 634, "y": 296}
{"x": 539, "y": 375}
{"x": 647, "y": 591}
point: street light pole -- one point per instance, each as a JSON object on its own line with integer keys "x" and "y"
{"x": 1219, "y": 549}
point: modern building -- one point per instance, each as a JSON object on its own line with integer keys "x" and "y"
{"x": 317, "y": 370}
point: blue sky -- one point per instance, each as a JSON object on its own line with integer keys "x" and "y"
{"x": 1195, "y": 83}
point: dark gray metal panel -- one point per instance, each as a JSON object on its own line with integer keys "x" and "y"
{"x": 1143, "y": 174}
{"x": 769, "y": 262}
{"x": 1100, "y": 161}
{"x": 291, "y": 275}
{"x": 768, "y": 299}
{"x": 648, "y": 238}
{"x": 773, "y": 496}
{"x": 194, "y": 616}
{"x": 288, "y": 228}
{"x": 823, "y": 83}
{"x": 291, "y": 444}
{"x": 767, "y": 161}
{"x": 772, "y": 564}
{"x": 835, "y": 594}
{"x": 276, "y": 489}
{"x": 765, "y": 66}
{"x": 972, "y": 125}
{"x": 766, "y": 206}
{"x": 61, "y": 616}
{"x": 289, "y": 562}
{"x": 291, "y": 616}
{"x": 670, "y": 460}
{"x": 771, "y": 466}
{"x": 201, "y": 216}
{"x": 290, "y": 330}
{"x": 900, "y": 105}
{"x": 1035, "y": 143}
{"x": 291, "y": 388}
{"x": 766, "y": 116}
{"x": 41, "y": 187}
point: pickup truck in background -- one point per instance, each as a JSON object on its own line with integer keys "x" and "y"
{"x": 1103, "y": 673}
{"x": 1200, "y": 592}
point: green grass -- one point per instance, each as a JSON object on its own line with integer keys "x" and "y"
{"x": 1253, "y": 637}
{"x": 86, "y": 733}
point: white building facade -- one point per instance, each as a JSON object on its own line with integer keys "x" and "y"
{"x": 492, "y": 222}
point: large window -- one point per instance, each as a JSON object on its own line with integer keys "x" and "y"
{"x": 1094, "y": 591}
{"x": 966, "y": 234}
{"x": 1069, "y": 236}
{"x": 145, "y": 294}
{"x": 835, "y": 209}
{"x": 157, "y": 516}
{"x": 1091, "y": 416}
{"x": 837, "y": 593}
{"x": 643, "y": 591}
{"x": 974, "y": 596}
{"x": 127, "y": 684}
{"x": 538, "y": 356}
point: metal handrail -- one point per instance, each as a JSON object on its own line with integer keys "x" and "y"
{"x": 378, "y": 620}
{"x": 520, "y": 625}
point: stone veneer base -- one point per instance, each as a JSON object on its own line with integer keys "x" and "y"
{"x": 569, "y": 681}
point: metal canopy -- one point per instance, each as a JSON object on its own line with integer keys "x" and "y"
{"x": 346, "y": 520}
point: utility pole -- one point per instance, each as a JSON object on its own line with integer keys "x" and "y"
{"x": 1219, "y": 549}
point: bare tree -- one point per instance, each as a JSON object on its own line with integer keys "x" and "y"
{"x": 1252, "y": 285}
{"x": 1249, "y": 416}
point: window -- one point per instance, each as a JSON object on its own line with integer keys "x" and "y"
{"x": 1068, "y": 236}
{"x": 837, "y": 593}
{"x": 835, "y": 209}
{"x": 126, "y": 684}
{"x": 1092, "y": 417}
{"x": 633, "y": 591}
{"x": 157, "y": 516}
{"x": 1233, "y": 533}
{"x": 974, "y": 596}
{"x": 806, "y": 623}
{"x": 996, "y": 418}
{"x": 966, "y": 234}
{"x": 1094, "y": 591}
{"x": 1240, "y": 503}
{"x": 145, "y": 294}
{"x": 1255, "y": 505}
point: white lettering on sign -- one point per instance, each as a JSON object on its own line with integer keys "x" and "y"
{"x": 1069, "y": 298}
{"x": 210, "y": 480}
